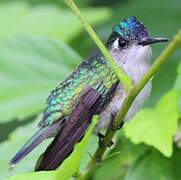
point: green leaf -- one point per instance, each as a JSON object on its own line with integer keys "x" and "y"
{"x": 89, "y": 151}
{"x": 156, "y": 126}
{"x": 43, "y": 175}
{"x": 11, "y": 16}
{"x": 119, "y": 158}
{"x": 106, "y": 170}
{"x": 64, "y": 171}
{"x": 177, "y": 85}
{"x": 29, "y": 68}
{"x": 152, "y": 165}
{"x": 175, "y": 160}
{"x": 45, "y": 20}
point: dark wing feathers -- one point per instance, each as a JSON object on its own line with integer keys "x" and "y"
{"x": 72, "y": 132}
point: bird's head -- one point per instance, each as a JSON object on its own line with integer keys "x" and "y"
{"x": 131, "y": 32}
{"x": 130, "y": 39}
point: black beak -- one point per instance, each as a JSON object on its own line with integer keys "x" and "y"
{"x": 151, "y": 41}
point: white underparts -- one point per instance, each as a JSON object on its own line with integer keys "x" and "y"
{"x": 135, "y": 62}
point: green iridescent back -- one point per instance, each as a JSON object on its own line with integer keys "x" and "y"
{"x": 94, "y": 72}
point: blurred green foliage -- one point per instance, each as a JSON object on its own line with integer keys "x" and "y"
{"x": 24, "y": 81}
{"x": 41, "y": 42}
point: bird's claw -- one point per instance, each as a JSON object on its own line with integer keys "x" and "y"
{"x": 121, "y": 125}
{"x": 101, "y": 136}
{"x": 111, "y": 124}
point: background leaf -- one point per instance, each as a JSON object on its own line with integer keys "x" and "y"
{"x": 177, "y": 86}
{"x": 151, "y": 166}
{"x": 30, "y": 67}
{"x": 48, "y": 20}
{"x": 118, "y": 159}
{"x": 42, "y": 175}
{"x": 156, "y": 126}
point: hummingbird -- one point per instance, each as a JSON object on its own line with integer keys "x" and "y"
{"x": 93, "y": 88}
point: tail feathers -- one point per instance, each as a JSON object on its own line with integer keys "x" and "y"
{"x": 29, "y": 146}
{"x": 60, "y": 148}
{"x": 42, "y": 134}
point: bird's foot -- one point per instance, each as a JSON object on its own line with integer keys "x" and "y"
{"x": 101, "y": 136}
{"x": 121, "y": 125}
{"x": 111, "y": 124}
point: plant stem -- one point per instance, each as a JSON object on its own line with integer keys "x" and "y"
{"x": 124, "y": 79}
{"x": 173, "y": 46}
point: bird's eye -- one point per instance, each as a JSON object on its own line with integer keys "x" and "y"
{"x": 122, "y": 43}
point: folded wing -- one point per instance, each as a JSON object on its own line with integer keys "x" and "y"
{"x": 74, "y": 129}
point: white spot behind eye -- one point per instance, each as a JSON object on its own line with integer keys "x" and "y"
{"x": 116, "y": 44}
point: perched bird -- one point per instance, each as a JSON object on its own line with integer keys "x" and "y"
{"x": 92, "y": 88}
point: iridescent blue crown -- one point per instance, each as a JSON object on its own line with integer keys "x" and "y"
{"x": 130, "y": 30}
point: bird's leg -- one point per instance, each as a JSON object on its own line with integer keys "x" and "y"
{"x": 111, "y": 123}
{"x": 121, "y": 125}
{"x": 101, "y": 136}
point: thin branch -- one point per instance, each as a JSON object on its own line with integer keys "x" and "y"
{"x": 124, "y": 79}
